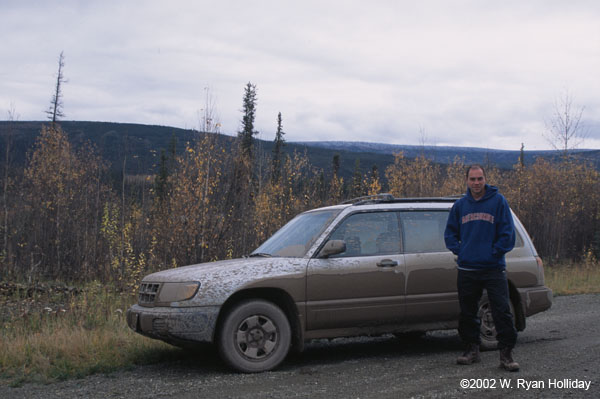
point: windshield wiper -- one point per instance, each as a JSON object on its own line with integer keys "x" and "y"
{"x": 259, "y": 254}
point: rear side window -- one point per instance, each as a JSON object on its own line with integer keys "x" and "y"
{"x": 424, "y": 231}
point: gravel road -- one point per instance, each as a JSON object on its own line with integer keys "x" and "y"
{"x": 558, "y": 352}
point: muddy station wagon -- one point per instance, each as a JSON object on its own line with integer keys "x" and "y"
{"x": 373, "y": 266}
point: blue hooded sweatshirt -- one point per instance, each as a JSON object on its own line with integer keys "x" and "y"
{"x": 480, "y": 232}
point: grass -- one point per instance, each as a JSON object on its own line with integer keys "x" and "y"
{"x": 572, "y": 279}
{"x": 51, "y": 336}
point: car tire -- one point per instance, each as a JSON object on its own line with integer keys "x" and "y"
{"x": 255, "y": 336}
{"x": 487, "y": 330}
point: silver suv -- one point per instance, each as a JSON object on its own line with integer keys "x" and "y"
{"x": 373, "y": 266}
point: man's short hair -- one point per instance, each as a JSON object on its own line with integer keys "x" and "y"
{"x": 474, "y": 166}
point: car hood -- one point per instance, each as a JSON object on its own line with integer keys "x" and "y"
{"x": 218, "y": 280}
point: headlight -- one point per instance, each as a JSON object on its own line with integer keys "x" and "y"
{"x": 176, "y": 292}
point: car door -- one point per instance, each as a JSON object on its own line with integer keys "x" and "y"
{"x": 431, "y": 270}
{"x": 363, "y": 286}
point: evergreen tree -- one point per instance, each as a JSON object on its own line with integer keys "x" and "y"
{"x": 166, "y": 167}
{"x": 56, "y": 105}
{"x": 321, "y": 188}
{"x": 161, "y": 179}
{"x": 277, "y": 151}
{"x": 249, "y": 110}
{"x": 335, "y": 164}
{"x": 357, "y": 187}
{"x": 522, "y": 156}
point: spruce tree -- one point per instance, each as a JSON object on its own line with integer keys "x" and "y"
{"x": 249, "y": 110}
{"x": 357, "y": 189}
{"x": 55, "y": 111}
{"x": 277, "y": 151}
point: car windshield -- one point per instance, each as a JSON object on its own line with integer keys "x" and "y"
{"x": 297, "y": 236}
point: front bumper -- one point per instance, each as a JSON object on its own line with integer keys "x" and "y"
{"x": 174, "y": 324}
{"x": 535, "y": 299}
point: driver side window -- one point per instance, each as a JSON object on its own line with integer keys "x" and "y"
{"x": 369, "y": 234}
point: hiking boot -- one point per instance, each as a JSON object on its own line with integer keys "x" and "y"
{"x": 506, "y": 360}
{"x": 470, "y": 356}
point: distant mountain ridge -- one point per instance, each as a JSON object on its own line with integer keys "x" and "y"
{"x": 447, "y": 154}
{"x": 140, "y": 145}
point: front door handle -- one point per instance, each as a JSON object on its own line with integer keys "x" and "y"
{"x": 387, "y": 263}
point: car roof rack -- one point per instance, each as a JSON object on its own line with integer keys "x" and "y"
{"x": 384, "y": 197}
{"x": 389, "y": 198}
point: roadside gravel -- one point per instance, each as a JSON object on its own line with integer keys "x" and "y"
{"x": 559, "y": 347}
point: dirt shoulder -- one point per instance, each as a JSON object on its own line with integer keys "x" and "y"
{"x": 558, "y": 353}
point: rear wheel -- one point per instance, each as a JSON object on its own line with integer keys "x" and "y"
{"x": 255, "y": 336}
{"x": 487, "y": 331}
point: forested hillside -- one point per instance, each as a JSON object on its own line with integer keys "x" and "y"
{"x": 139, "y": 146}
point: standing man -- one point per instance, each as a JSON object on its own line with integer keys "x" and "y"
{"x": 480, "y": 231}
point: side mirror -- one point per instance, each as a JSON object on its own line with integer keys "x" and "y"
{"x": 332, "y": 247}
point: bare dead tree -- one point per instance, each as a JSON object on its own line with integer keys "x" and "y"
{"x": 565, "y": 130}
{"x": 208, "y": 116}
{"x": 55, "y": 111}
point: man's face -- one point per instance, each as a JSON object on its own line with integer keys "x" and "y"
{"x": 476, "y": 182}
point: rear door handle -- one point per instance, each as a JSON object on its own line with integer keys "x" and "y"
{"x": 387, "y": 263}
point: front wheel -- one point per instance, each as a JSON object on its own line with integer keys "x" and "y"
{"x": 255, "y": 336}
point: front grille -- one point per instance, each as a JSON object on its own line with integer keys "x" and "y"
{"x": 147, "y": 294}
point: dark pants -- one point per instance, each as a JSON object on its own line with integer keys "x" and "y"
{"x": 470, "y": 288}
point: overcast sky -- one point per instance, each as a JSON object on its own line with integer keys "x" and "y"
{"x": 466, "y": 73}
